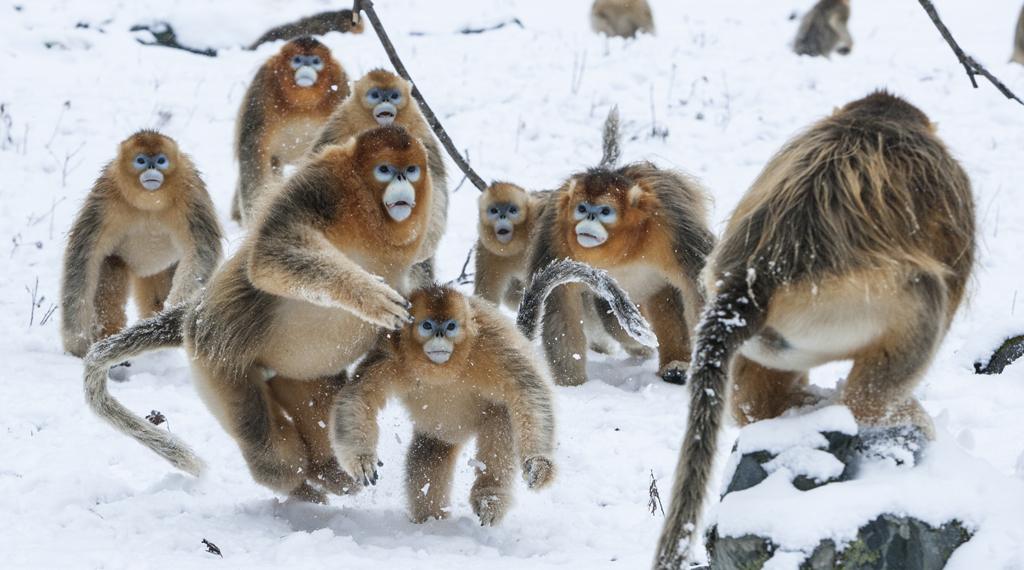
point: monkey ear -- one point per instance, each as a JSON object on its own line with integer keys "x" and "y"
{"x": 571, "y": 187}
{"x": 635, "y": 194}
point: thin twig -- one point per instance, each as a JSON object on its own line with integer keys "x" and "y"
{"x": 464, "y": 277}
{"x": 971, "y": 65}
{"x": 367, "y": 7}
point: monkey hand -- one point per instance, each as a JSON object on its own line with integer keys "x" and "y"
{"x": 538, "y": 471}
{"x": 377, "y": 303}
{"x": 363, "y": 467}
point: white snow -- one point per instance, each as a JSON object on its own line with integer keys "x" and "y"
{"x": 528, "y": 105}
{"x": 804, "y": 430}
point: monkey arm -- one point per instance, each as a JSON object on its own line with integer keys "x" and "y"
{"x": 202, "y": 249}
{"x": 294, "y": 259}
{"x": 354, "y": 418}
{"x": 82, "y": 261}
{"x": 528, "y": 399}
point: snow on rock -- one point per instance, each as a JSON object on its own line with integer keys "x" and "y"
{"x": 803, "y": 430}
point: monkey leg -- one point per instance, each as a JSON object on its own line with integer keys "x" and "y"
{"x": 760, "y": 393}
{"x": 428, "y": 478}
{"x": 491, "y": 495}
{"x": 308, "y": 403}
{"x": 488, "y": 279}
{"x": 613, "y": 329}
{"x": 111, "y": 294}
{"x": 879, "y": 388}
{"x": 666, "y": 314}
{"x": 514, "y": 293}
{"x": 151, "y": 292}
{"x": 270, "y": 443}
{"x": 422, "y": 274}
{"x": 565, "y": 342}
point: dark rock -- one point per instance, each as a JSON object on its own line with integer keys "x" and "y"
{"x": 750, "y": 470}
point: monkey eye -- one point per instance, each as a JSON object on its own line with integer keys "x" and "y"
{"x": 451, "y": 328}
{"x": 581, "y": 209}
{"x": 161, "y": 162}
{"x": 606, "y": 211}
{"x": 427, "y": 327}
{"x": 296, "y": 62}
{"x": 384, "y": 173}
{"x": 493, "y": 211}
{"x": 396, "y": 96}
{"x": 373, "y": 95}
{"x": 412, "y": 172}
{"x": 140, "y": 161}
{"x": 607, "y": 214}
{"x": 316, "y": 61}
{"x": 513, "y": 210}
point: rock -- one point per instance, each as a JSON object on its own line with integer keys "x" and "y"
{"x": 750, "y": 470}
{"x": 888, "y": 542}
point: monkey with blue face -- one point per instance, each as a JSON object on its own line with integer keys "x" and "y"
{"x": 381, "y": 98}
{"x": 292, "y": 95}
{"x": 463, "y": 371}
{"x": 149, "y": 223}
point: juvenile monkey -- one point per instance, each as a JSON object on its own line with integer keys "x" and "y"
{"x": 292, "y": 94}
{"x": 622, "y": 18}
{"x": 304, "y": 297}
{"x": 148, "y": 222}
{"x": 462, "y": 370}
{"x": 647, "y": 227}
{"x": 823, "y": 30}
{"x": 507, "y": 226}
{"x": 1018, "y": 40}
{"x": 382, "y": 98}
{"x": 854, "y": 243}
{"x": 315, "y": 25}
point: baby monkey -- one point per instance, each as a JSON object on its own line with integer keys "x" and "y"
{"x": 293, "y": 93}
{"x": 461, "y": 369}
{"x": 823, "y": 30}
{"x": 507, "y": 226}
{"x": 147, "y": 222}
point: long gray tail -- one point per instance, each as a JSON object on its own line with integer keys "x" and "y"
{"x": 611, "y": 147}
{"x": 728, "y": 321}
{"x": 568, "y": 271}
{"x": 161, "y": 331}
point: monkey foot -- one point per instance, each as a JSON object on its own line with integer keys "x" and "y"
{"x": 307, "y": 493}
{"x": 675, "y": 372}
{"x": 332, "y": 478}
{"x": 489, "y": 508}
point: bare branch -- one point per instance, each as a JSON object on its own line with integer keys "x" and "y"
{"x": 971, "y": 66}
{"x": 367, "y": 7}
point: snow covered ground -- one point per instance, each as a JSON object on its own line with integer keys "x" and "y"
{"x": 715, "y": 93}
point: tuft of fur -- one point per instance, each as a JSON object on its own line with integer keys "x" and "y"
{"x": 868, "y": 190}
{"x": 824, "y": 30}
{"x": 611, "y": 139}
{"x": 161, "y": 331}
{"x": 564, "y": 271}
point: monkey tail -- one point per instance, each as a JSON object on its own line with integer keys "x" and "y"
{"x": 161, "y": 331}
{"x": 565, "y": 271}
{"x": 611, "y": 147}
{"x": 731, "y": 318}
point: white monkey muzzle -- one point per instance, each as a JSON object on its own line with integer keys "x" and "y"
{"x": 385, "y": 113}
{"x": 438, "y": 350}
{"x": 151, "y": 179}
{"x": 503, "y": 231}
{"x": 590, "y": 233}
{"x": 305, "y": 76}
{"x": 400, "y": 199}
